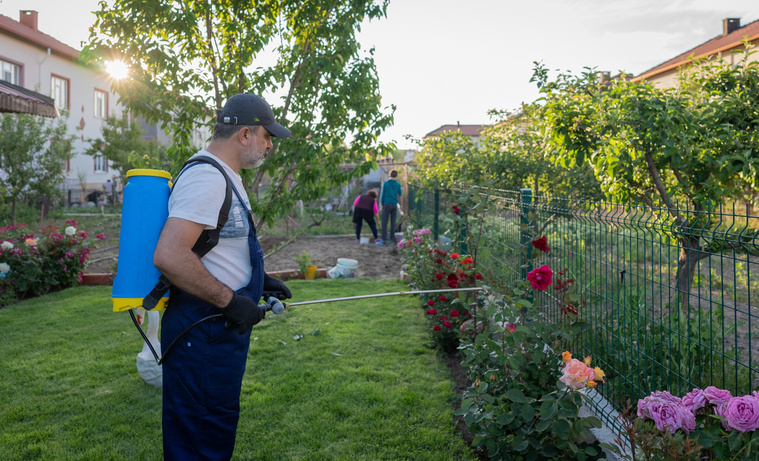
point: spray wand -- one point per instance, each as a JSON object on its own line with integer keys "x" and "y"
{"x": 276, "y": 306}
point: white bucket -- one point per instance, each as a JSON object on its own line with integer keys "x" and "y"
{"x": 398, "y": 236}
{"x": 364, "y": 240}
{"x": 346, "y": 268}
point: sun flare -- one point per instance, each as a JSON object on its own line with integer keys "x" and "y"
{"x": 117, "y": 69}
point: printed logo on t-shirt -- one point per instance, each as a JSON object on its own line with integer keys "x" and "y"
{"x": 237, "y": 225}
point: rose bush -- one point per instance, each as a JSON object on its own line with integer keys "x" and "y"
{"x": 32, "y": 265}
{"x": 709, "y": 423}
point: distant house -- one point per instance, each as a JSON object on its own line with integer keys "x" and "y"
{"x": 720, "y": 47}
{"x": 473, "y": 131}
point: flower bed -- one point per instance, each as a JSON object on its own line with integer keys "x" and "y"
{"x": 32, "y": 265}
{"x": 526, "y": 390}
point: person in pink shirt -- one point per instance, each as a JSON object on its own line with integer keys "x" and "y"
{"x": 365, "y": 209}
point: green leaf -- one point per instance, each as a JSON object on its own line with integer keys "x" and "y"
{"x": 735, "y": 441}
{"x": 592, "y": 421}
{"x": 506, "y": 418}
{"x": 548, "y": 409}
{"x": 590, "y": 451}
{"x": 562, "y": 428}
{"x": 519, "y": 444}
{"x": 543, "y": 425}
{"x": 528, "y": 413}
{"x": 515, "y": 395}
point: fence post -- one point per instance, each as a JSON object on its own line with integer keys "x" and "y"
{"x": 526, "y": 201}
{"x": 436, "y": 216}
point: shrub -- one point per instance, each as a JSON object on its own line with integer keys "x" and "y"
{"x": 33, "y": 265}
{"x": 430, "y": 268}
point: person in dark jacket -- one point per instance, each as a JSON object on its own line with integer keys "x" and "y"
{"x": 365, "y": 209}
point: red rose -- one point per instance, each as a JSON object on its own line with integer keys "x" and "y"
{"x": 540, "y": 278}
{"x": 453, "y": 284}
{"x": 455, "y": 209}
{"x": 454, "y": 256}
{"x": 443, "y": 317}
{"x": 468, "y": 260}
{"x": 439, "y": 261}
{"x": 439, "y": 276}
{"x": 478, "y": 276}
{"x": 452, "y": 276}
{"x": 431, "y": 302}
{"x": 436, "y": 328}
{"x": 454, "y": 313}
{"x": 432, "y": 312}
{"x": 447, "y": 324}
{"x": 541, "y": 244}
{"x": 443, "y": 298}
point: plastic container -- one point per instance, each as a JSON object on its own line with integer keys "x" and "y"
{"x": 144, "y": 213}
{"x": 398, "y": 236}
{"x": 445, "y": 243}
{"x": 364, "y": 240}
{"x": 346, "y": 268}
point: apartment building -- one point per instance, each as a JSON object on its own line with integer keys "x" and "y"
{"x": 36, "y": 61}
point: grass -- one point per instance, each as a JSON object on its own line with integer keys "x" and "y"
{"x": 364, "y": 388}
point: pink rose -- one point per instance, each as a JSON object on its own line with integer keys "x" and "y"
{"x": 540, "y": 278}
{"x": 694, "y": 400}
{"x": 717, "y": 396}
{"x": 743, "y": 413}
{"x": 655, "y": 397}
{"x": 576, "y": 374}
{"x": 417, "y": 240}
{"x": 668, "y": 416}
{"x": 721, "y": 410}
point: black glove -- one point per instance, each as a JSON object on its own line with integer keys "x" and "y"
{"x": 276, "y": 287}
{"x": 243, "y": 313}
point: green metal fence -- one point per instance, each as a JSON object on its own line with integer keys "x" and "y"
{"x": 645, "y": 329}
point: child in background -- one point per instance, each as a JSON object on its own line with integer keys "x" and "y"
{"x": 365, "y": 209}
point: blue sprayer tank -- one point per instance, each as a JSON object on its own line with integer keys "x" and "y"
{"x": 143, "y": 215}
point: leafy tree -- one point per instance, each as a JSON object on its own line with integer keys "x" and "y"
{"x": 187, "y": 57}
{"x": 122, "y": 143}
{"x": 513, "y": 153}
{"x": 696, "y": 142}
{"x": 32, "y": 152}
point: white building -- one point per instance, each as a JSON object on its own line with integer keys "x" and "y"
{"x": 37, "y": 61}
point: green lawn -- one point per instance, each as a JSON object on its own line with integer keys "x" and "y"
{"x": 364, "y": 388}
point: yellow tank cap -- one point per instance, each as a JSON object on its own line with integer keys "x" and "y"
{"x": 124, "y": 304}
{"x": 148, "y": 172}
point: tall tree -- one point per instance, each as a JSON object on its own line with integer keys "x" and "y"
{"x": 33, "y": 150}
{"x": 186, "y": 57}
{"x": 122, "y": 143}
{"x": 696, "y": 142}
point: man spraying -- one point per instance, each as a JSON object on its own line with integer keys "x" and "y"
{"x": 391, "y": 194}
{"x": 203, "y": 377}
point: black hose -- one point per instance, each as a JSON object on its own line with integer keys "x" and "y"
{"x": 168, "y": 349}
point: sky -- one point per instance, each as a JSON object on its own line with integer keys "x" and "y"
{"x": 447, "y": 61}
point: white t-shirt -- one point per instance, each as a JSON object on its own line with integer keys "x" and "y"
{"x": 198, "y": 196}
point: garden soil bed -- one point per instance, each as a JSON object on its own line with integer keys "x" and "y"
{"x": 374, "y": 261}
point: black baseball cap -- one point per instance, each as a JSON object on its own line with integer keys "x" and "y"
{"x": 249, "y": 109}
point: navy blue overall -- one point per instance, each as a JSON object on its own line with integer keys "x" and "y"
{"x": 203, "y": 376}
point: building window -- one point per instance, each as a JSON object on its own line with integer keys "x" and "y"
{"x": 9, "y": 72}
{"x": 101, "y": 104}
{"x": 59, "y": 89}
{"x": 101, "y": 163}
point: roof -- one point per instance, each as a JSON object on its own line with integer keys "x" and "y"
{"x": 15, "y": 99}
{"x": 35, "y": 37}
{"x": 713, "y": 46}
{"x": 468, "y": 130}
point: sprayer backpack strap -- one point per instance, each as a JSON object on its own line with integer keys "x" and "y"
{"x": 208, "y": 238}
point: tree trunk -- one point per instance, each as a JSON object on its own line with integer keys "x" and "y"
{"x": 686, "y": 268}
{"x": 13, "y": 212}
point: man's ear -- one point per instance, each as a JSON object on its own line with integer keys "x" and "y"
{"x": 244, "y": 136}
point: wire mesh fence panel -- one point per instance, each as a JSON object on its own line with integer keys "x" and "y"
{"x": 667, "y": 296}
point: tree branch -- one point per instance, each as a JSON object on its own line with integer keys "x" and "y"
{"x": 654, "y": 172}
{"x": 212, "y": 57}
